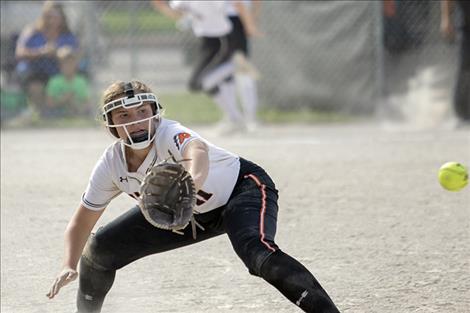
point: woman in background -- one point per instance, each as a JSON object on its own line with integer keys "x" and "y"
{"x": 36, "y": 51}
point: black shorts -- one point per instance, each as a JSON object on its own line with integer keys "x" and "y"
{"x": 238, "y": 40}
{"x": 249, "y": 219}
{"x": 39, "y": 70}
{"x": 213, "y": 52}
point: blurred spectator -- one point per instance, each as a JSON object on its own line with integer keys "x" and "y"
{"x": 36, "y": 51}
{"x": 462, "y": 88}
{"x": 67, "y": 92}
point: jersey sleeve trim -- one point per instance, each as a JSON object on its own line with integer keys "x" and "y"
{"x": 92, "y": 206}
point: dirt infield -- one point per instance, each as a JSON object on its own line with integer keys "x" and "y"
{"x": 359, "y": 206}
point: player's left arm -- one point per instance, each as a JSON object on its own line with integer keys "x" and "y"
{"x": 256, "y": 9}
{"x": 248, "y": 19}
{"x": 197, "y": 154}
{"x": 447, "y": 27}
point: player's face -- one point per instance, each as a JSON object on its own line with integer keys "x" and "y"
{"x": 124, "y": 116}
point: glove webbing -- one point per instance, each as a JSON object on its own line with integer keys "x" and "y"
{"x": 194, "y": 225}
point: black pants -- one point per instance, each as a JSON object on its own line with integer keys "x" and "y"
{"x": 462, "y": 88}
{"x": 213, "y": 52}
{"x": 237, "y": 37}
{"x": 249, "y": 219}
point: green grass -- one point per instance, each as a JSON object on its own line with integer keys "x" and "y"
{"x": 190, "y": 108}
{"x": 199, "y": 109}
{"x": 147, "y": 21}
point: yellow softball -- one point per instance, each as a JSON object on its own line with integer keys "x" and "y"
{"x": 453, "y": 176}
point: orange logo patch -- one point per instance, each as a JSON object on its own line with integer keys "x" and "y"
{"x": 180, "y": 138}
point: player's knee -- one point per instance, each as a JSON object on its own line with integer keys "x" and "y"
{"x": 97, "y": 253}
{"x": 253, "y": 253}
{"x": 213, "y": 91}
{"x": 272, "y": 270}
{"x": 94, "y": 284}
{"x": 229, "y": 79}
{"x": 196, "y": 86}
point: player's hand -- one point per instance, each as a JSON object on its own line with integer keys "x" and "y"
{"x": 66, "y": 276}
{"x": 50, "y": 49}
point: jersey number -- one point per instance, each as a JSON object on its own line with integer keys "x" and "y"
{"x": 202, "y": 197}
{"x": 134, "y": 195}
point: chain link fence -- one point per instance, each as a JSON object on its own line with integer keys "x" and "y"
{"x": 350, "y": 56}
{"x": 419, "y": 66}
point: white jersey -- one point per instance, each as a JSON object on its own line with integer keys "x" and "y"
{"x": 208, "y": 18}
{"x": 110, "y": 177}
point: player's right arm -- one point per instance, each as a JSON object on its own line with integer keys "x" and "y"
{"x": 23, "y": 52}
{"x": 447, "y": 27}
{"x": 99, "y": 192}
{"x": 164, "y": 8}
{"x": 76, "y": 235}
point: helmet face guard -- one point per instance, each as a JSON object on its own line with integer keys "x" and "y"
{"x": 127, "y": 102}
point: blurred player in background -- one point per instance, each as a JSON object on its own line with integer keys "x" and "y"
{"x": 244, "y": 15}
{"x": 235, "y": 196}
{"x": 462, "y": 88}
{"x": 214, "y": 69}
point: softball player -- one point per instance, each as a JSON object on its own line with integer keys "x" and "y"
{"x": 214, "y": 69}
{"x": 235, "y": 197}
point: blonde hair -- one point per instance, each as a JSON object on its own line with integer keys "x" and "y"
{"x": 66, "y": 53}
{"x": 49, "y": 6}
